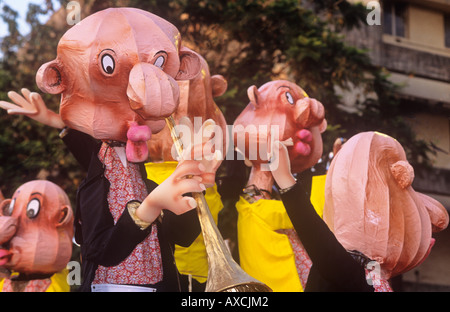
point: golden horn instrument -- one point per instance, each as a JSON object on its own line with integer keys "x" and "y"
{"x": 224, "y": 274}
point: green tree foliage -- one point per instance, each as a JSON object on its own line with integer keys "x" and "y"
{"x": 253, "y": 41}
{"x": 249, "y": 42}
{"x": 29, "y": 150}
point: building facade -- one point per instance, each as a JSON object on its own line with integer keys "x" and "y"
{"x": 411, "y": 40}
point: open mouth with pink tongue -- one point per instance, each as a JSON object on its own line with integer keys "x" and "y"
{"x": 302, "y": 142}
{"x": 5, "y": 255}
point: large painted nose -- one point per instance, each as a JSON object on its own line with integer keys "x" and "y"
{"x": 8, "y": 227}
{"x": 438, "y": 214}
{"x": 152, "y": 93}
{"x": 309, "y": 113}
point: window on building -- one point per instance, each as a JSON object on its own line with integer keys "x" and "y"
{"x": 394, "y": 18}
{"x": 447, "y": 30}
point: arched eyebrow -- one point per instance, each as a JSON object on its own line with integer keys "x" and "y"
{"x": 161, "y": 52}
{"x": 284, "y": 87}
{"x": 107, "y": 50}
{"x": 38, "y": 196}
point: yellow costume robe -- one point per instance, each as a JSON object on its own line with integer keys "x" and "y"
{"x": 190, "y": 260}
{"x": 58, "y": 282}
{"x": 264, "y": 253}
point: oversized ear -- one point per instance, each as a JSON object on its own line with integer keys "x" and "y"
{"x": 49, "y": 78}
{"x": 403, "y": 173}
{"x": 65, "y": 216}
{"x": 253, "y": 95}
{"x": 219, "y": 85}
{"x": 190, "y": 65}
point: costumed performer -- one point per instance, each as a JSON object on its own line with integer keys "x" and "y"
{"x": 116, "y": 72}
{"x": 375, "y": 225}
{"x": 196, "y": 107}
{"x": 269, "y": 248}
{"x": 36, "y": 232}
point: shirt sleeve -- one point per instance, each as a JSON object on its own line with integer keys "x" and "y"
{"x": 329, "y": 257}
{"x": 124, "y": 236}
{"x": 181, "y": 229}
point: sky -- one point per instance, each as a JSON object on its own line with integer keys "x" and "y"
{"x": 21, "y": 6}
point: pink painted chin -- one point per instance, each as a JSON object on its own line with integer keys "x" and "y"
{"x": 4, "y": 256}
{"x": 136, "y": 149}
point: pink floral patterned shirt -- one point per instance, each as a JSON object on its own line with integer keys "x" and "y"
{"x": 143, "y": 265}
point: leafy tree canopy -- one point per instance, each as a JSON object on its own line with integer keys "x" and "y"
{"x": 247, "y": 41}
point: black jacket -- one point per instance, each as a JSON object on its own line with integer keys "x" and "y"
{"x": 107, "y": 244}
{"x": 333, "y": 268}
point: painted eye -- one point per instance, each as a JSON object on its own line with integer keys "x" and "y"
{"x": 108, "y": 64}
{"x": 159, "y": 62}
{"x": 8, "y": 208}
{"x": 33, "y": 208}
{"x": 289, "y": 98}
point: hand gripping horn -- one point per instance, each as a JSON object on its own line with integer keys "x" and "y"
{"x": 224, "y": 274}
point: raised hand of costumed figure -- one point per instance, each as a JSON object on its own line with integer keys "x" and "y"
{"x": 32, "y": 105}
{"x": 205, "y": 150}
{"x": 36, "y": 231}
{"x": 279, "y": 115}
